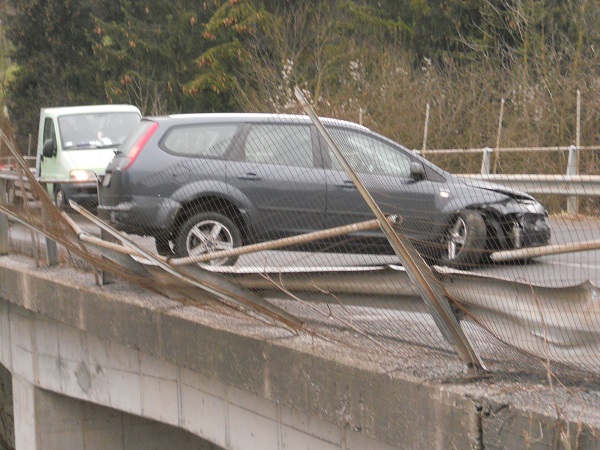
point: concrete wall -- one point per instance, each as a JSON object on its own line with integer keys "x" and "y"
{"x": 63, "y": 422}
{"x": 7, "y": 425}
{"x": 46, "y": 355}
{"x": 230, "y": 380}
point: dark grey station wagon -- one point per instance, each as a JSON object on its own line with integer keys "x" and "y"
{"x": 205, "y": 182}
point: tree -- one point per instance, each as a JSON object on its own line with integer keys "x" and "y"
{"x": 6, "y": 65}
{"x": 146, "y": 50}
{"x": 260, "y": 49}
{"x": 53, "y": 56}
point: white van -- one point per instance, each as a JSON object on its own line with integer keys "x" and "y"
{"x": 75, "y": 144}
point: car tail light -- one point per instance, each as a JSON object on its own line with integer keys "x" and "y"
{"x": 139, "y": 145}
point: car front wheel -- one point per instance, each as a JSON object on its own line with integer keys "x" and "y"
{"x": 465, "y": 240}
{"x": 206, "y": 233}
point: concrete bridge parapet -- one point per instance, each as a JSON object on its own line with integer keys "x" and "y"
{"x": 81, "y": 356}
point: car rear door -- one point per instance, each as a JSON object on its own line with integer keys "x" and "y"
{"x": 280, "y": 173}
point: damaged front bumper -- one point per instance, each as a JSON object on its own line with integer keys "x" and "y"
{"x": 518, "y": 224}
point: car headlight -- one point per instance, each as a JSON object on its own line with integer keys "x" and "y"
{"x": 83, "y": 175}
{"x": 533, "y": 206}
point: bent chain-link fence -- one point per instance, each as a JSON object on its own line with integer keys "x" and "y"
{"x": 260, "y": 213}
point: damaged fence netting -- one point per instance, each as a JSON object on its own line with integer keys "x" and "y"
{"x": 257, "y": 213}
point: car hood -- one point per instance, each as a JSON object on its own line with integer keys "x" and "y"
{"x": 493, "y": 187}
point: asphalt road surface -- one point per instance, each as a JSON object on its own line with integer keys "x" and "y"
{"x": 557, "y": 270}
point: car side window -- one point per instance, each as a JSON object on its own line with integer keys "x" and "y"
{"x": 367, "y": 154}
{"x": 206, "y": 140}
{"x": 289, "y": 145}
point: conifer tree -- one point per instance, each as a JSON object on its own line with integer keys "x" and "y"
{"x": 54, "y": 58}
{"x": 146, "y": 50}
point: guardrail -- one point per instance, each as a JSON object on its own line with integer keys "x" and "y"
{"x": 487, "y": 153}
{"x": 571, "y": 184}
{"x": 10, "y": 161}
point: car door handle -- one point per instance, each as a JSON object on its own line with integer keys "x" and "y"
{"x": 347, "y": 184}
{"x": 249, "y": 176}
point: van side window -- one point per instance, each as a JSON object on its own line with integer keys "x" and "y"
{"x": 207, "y": 140}
{"x": 288, "y": 145}
{"x": 367, "y": 154}
{"x": 49, "y": 132}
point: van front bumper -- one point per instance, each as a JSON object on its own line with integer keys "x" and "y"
{"x": 84, "y": 193}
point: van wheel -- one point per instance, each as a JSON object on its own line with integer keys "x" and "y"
{"x": 205, "y": 233}
{"x": 60, "y": 199}
{"x": 465, "y": 241}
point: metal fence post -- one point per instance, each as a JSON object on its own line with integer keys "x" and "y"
{"x": 485, "y": 161}
{"x": 425, "y": 131}
{"x": 107, "y": 277}
{"x": 3, "y": 234}
{"x": 51, "y": 252}
{"x": 3, "y": 222}
{"x": 432, "y": 292}
{"x": 573, "y": 169}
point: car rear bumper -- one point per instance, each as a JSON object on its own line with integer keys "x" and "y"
{"x": 142, "y": 215}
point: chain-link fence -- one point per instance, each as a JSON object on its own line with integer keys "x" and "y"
{"x": 327, "y": 229}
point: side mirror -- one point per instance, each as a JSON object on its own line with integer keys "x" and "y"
{"x": 417, "y": 171}
{"x": 49, "y": 149}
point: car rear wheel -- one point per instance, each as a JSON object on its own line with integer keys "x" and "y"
{"x": 465, "y": 240}
{"x": 205, "y": 233}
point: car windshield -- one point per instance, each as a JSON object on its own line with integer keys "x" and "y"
{"x": 96, "y": 130}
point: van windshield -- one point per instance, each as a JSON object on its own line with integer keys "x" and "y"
{"x": 96, "y": 130}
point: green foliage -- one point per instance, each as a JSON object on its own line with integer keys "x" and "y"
{"x": 7, "y": 67}
{"x": 384, "y": 58}
{"x": 146, "y": 52}
{"x": 228, "y": 33}
{"x": 53, "y": 55}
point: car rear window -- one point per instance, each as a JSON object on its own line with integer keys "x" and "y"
{"x": 288, "y": 145}
{"x": 206, "y": 140}
{"x": 135, "y": 136}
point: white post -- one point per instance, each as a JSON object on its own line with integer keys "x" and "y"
{"x": 426, "y": 131}
{"x": 573, "y": 162}
{"x": 498, "y": 136}
{"x": 4, "y": 238}
{"x": 485, "y": 161}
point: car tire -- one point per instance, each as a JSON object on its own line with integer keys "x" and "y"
{"x": 206, "y": 232}
{"x": 465, "y": 241}
{"x": 163, "y": 247}
{"x": 60, "y": 199}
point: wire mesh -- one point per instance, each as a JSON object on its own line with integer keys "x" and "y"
{"x": 193, "y": 186}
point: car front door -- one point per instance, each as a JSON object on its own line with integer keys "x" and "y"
{"x": 280, "y": 173}
{"x": 386, "y": 172}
